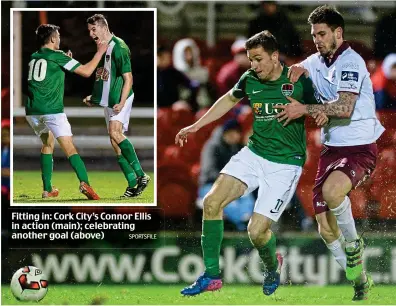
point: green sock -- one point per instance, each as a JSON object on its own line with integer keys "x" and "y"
{"x": 127, "y": 170}
{"x": 129, "y": 153}
{"x": 47, "y": 165}
{"x": 268, "y": 254}
{"x": 79, "y": 167}
{"x": 212, "y": 236}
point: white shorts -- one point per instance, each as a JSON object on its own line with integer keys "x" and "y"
{"x": 56, "y": 123}
{"x": 277, "y": 183}
{"x": 122, "y": 116}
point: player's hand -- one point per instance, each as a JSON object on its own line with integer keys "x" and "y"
{"x": 181, "y": 137}
{"x": 69, "y": 53}
{"x": 117, "y": 108}
{"x": 320, "y": 119}
{"x": 102, "y": 46}
{"x": 295, "y": 71}
{"x": 87, "y": 101}
{"x": 290, "y": 111}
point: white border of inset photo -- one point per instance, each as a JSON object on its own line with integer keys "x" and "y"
{"x": 136, "y": 112}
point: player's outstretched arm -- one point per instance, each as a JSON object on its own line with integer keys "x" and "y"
{"x": 87, "y": 69}
{"x": 221, "y": 107}
{"x": 342, "y": 108}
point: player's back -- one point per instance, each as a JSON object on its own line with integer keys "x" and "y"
{"x": 348, "y": 73}
{"x": 46, "y": 79}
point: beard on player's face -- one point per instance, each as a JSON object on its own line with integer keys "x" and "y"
{"x": 329, "y": 48}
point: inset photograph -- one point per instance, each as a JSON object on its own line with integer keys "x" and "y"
{"x": 83, "y": 106}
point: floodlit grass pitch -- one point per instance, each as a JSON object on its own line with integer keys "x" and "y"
{"x": 229, "y": 294}
{"x": 109, "y": 185}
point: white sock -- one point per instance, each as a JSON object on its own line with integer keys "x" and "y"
{"x": 337, "y": 249}
{"x": 345, "y": 221}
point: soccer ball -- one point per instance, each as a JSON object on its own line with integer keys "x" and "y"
{"x": 29, "y": 284}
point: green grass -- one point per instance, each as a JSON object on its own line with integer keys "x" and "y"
{"x": 230, "y": 294}
{"x": 109, "y": 185}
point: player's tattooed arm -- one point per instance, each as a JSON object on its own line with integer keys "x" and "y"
{"x": 342, "y": 108}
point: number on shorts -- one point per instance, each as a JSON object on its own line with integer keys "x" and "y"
{"x": 37, "y": 70}
{"x": 278, "y": 206}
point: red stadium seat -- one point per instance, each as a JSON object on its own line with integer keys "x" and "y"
{"x": 359, "y": 203}
{"x": 164, "y": 116}
{"x": 195, "y": 172}
{"x": 388, "y": 138}
{"x": 181, "y": 116}
{"x": 166, "y": 135}
{"x": 304, "y": 194}
{"x": 388, "y": 201}
{"x": 177, "y": 192}
{"x": 387, "y": 118}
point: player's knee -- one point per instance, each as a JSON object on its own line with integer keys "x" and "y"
{"x": 47, "y": 147}
{"x": 258, "y": 232}
{"x": 70, "y": 150}
{"x": 211, "y": 205}
{"x": 332, "y": 192}
{"x": 115, "y": 135}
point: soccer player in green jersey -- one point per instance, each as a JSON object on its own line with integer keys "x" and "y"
{"x": 272, "y": 161}
{"x": 44, "y": 106}
{"x": 113, "y": 91}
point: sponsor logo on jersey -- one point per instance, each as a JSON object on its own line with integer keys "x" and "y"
{"x": 321, "y": 204}
{"x": 349, "y": 76}
{"x": 350, "y": 65}
{"x": 102, "y": 74}
{"x": 256, "y": 91}
{"x": 348, "y": 85}
{"x": 258, "y": 108}
{"x": 287, "y": 89}
{"x": 107, "y": 57}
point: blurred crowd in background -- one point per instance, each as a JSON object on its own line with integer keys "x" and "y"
{"x": 192, "y": 74}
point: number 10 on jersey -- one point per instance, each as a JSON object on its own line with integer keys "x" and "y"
{"x": 37, "y": 70}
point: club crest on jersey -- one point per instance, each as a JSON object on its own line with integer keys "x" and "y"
{"x": 287, "y": 89}
{"x": 258, "y": 108}
{"x": 107, "y": 57}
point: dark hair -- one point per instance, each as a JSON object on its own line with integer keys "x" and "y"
{"x": 231, "y": 124}
{"x": 161, "y": 49}
{"x": 44, "y": 32}
{"x": 263, "y": 39}
{"x": 99, "y": 19}
{"x": 328, "y": 15}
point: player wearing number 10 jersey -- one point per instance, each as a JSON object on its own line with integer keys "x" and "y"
{"x": 44, "y": 106}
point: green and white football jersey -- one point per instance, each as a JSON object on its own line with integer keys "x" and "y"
{"x": 46, "y": 81}
{"x": 108, "y": 76}
{"x": 270, "y": 140}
